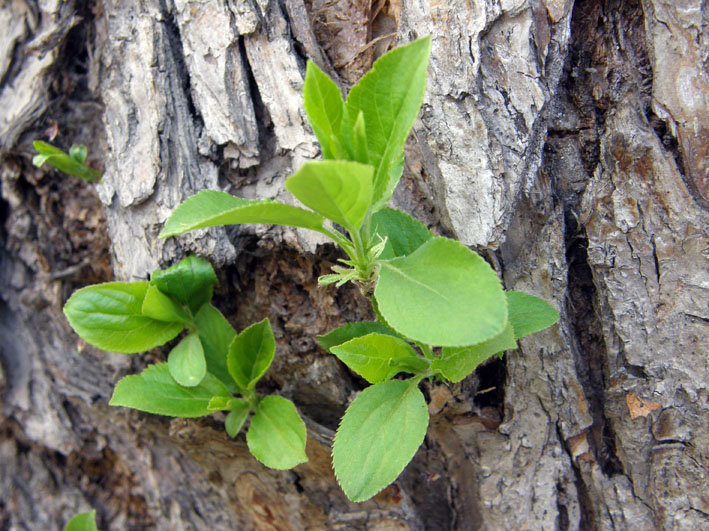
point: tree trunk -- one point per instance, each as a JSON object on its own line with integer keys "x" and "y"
{"x": 565, "y": 141}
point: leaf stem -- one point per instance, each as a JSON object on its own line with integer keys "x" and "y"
{"x": 426, "y": 349}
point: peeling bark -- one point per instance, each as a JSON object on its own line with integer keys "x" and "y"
{"x": 565, "y": 140}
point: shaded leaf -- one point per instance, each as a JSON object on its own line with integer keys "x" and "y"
{"x": 251, "y": 354}
{"x": 78, "y": 153}
{"x": 404, "y": 234}
{"x": 236, "y": 417}
{"x": 529, "y": 314}
{"x": 350, "y": 331}
{"x": 189, "y": 281}
{"x": 455, "y": 363}
{"x": 216, "y": 335}
{"x": 159, "y": 306}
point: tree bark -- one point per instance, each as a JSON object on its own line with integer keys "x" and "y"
{"x": 564, "y": 141}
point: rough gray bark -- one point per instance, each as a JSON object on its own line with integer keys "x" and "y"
{"x": 566, "y": 141}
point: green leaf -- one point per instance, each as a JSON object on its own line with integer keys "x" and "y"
{"x": 370, "y": 356}
{"x": 324, "y": 107}
{"x": 189, "y": 281}
{"x": 338, "y": 189}
{"x": 390, "y": 96}
{"x": 155, "y": 391}
{"x": 109, "y": 316}
{"x": 216, "y": 335}
{"x": 360, "y": 150}
{"x": 442, "y": 294}
{"x": 529, "y": 314}
{"x": 410, "y": 364}
{"x": 276, "y": 436}
{"x": 378, "y": 436}
{"x": 403, "y": 233}
{"x": 236, "y": 417}
{"x": 82, "y": 522}
{"x": 213, "y": 209}
{"x": 63, "y": 162}
{"x": 159, "y": 306}
{"x": 251, "y": 354}
{"x": 78, "y": 153}
{"x": 350, "y": 331}
{"x": 456, "y": 363}
{"x": 222, "y": 403}
{"x": 186, "y": 361}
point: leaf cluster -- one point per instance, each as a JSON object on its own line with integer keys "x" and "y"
{"x": 72, "y": 163}
{"x": 211, "y": 368}
{"x": 441, "y": 308}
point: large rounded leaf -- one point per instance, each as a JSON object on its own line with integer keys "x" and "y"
{"x": 378, "y": 436}
{"x": 442, "y": 294}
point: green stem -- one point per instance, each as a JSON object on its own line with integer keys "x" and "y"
{"x": 340, "y": 240}
{"x": 426, "y": 349}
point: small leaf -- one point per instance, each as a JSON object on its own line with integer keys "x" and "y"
{"x": 186, "y": 361}
{"x": 189, "y": 281}
{"x": 339, "y": 190}
{"x": 324, "y": 106}
{"x": 39, "y": 160}
{"x": 370, "y": 356}
{"x": 236, "y": 417}
{"x": 529, "y": 314}
{"x": 216, "y": 335}
{"x": 109, "y": 316}
{"x": 221, "y": 403}
{"x": 251, "y": 354}
{"x": 456, "y": 363}
{"x": 159, "y": 306}
{"x": 213, "y": 209}
{"x": 155, "y": 391}
{"x": 63, "y": 162}
{"x": 442, "y": 294}
{"x": 350, "y": 331}
{"x": 378, "y": 436}
{"x": 403, "y": 233}
{"x": 82, "y": 522}
{"x": 390, "y": 96}
{"x": 78, "y": 153}
{"x": 276, "y": 436}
